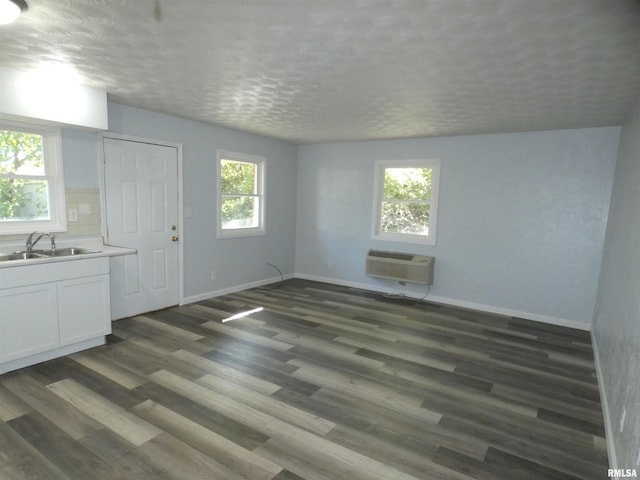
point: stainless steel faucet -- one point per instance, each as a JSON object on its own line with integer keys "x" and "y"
{"x": 31, "y": 242}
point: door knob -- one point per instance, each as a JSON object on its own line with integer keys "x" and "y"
{"x": 174, "y": 238}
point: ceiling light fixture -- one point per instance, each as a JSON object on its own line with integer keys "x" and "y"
{"x": 10, "y": 10}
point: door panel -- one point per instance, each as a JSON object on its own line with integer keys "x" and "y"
{"x": 141, "y": 183}
{"x": 159, "y": 259}
{"x": 129, "y": 214}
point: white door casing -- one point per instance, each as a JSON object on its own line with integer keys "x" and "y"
{"x": 141, "y": 181}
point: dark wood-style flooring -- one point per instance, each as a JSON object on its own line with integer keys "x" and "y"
{"x": 326, "y": 383}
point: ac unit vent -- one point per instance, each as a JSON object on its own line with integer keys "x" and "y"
{"x": 398, "y": 256}
{"x": 402, "y": 267}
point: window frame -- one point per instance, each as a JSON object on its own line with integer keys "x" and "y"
{"x": 378, "y": 199}
{"x": 261, "y": 164}
{"x": 54, "y": 174}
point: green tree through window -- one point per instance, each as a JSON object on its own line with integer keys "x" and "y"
{"x": 23, "y": 190}
{"x": 239, "y": 200}
{"x": 241, "y": 194}
{"x": 406, "y": 199}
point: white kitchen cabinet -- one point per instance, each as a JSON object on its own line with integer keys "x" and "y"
{"x": 52, "y": 309}
{"x": 83, "y": 308}
{"x": 29, "y": 322}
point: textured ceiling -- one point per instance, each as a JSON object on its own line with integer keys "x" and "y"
{"x": 328, "y": 70}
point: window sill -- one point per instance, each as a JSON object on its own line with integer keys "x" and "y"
{"x": 405, "y": 238}
{"x": 240, "y": 233}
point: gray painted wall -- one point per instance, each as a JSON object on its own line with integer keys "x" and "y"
{"x": 236, "y": 261}
{"x": 521, "y": 218}
{"x": 616, "y": 329}
{"x": 80, "y": 157}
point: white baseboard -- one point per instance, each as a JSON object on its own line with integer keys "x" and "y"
{"x": 51, "y": 354}
{"x": 562, "y": 322}
{"x": 608, "y": 425}
{"x": 365, "y": 286}
{"x": 234, "y": 289}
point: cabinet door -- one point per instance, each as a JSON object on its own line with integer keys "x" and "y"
{"x": 28, "y": 321}
{"x": 84, "y": 309}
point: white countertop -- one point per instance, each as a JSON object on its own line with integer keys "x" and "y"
{"x": 89, "y": 243}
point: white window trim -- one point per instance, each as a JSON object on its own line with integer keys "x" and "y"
{"x": 54, "y": 174}
{"x": 378, "y": 192}
{"x": 261, "y": 162}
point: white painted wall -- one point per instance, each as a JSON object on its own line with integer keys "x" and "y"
{"x": 237, "y": 261}
{"x": 616, "y": 329}
{"x": 521, "y": 218}
{"x": 51, "y": 96}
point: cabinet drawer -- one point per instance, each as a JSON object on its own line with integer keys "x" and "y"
{"x": 53, "y": 271}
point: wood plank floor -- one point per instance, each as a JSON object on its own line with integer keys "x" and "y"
{"x": 326, "y": 382}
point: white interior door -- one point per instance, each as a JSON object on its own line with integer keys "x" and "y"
{"x": 141, "y": 192}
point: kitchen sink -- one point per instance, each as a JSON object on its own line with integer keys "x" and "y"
{"x": 60, "y": 252}
{"x": 65, "y": 252}
{"x": 21, "y": 256}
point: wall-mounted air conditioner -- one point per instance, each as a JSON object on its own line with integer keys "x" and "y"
{"x": 402, "y": 267}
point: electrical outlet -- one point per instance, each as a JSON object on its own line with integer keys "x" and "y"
{"x": 622, "y": 418}
{"x": 73, "y": 215}
{"x": 213, "y": 274}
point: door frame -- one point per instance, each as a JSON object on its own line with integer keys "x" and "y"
{"x": 103, "y": 193}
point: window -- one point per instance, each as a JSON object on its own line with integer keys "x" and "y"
{"x": 406, "y": 201}
{"x": 240, "y": 194}
{"x": 31, "y": 180}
